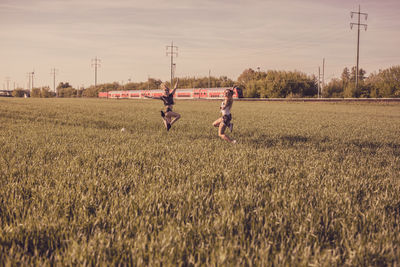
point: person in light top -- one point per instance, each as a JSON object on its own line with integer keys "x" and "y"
{"x": 225, "y": 121}
{"x": 169, "y": 117}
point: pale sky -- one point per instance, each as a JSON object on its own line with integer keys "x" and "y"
{"x": 224, "y": 36}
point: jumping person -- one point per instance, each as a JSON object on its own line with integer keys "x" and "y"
{"x": 169, "y": 117}
{"x": 225, "y": 121}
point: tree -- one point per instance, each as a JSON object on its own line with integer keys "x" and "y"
{"x": 334, "y": 88}
{"x": 386, "y": 83}
{"x": 348, "y": 81}
{"x": 361, "y": 74}
{"x": 277, "y": 84}
{"x": 45, "y": 92}
{"x": 66, "y": 90}
{"x": 19, "y": 92}
{"x": 35, "y": 92}
{"x": 247, "y": 76}
{"x": 345, "y": 77}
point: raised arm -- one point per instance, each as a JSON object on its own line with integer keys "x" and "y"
{"x": 176, "y": 86}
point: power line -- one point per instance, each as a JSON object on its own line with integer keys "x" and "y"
{"x": 358, "y": 35}
{"x": 95, "y": 63}
{"x": 172, "y": 54}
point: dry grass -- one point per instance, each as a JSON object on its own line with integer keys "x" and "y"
{"x": 308, "y": 184}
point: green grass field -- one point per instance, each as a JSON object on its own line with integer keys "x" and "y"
{"x": 307, "y": 184}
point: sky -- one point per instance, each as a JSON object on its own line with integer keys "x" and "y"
{"x": 224, "y": 37}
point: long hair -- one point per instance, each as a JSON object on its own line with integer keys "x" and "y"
{"x": 164, "y": 86}
{"x": 229, "y": 101}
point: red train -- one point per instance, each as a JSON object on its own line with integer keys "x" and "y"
{"x": 198, "y": 93}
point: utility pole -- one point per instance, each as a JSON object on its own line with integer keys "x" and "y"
{"x": 358, "y": 35}
{"x": 170, "y": 52}
{"x": 31, "y": 78}
{"x": 323, "y": 72}
{"x": 8, "y": 83}
{"x": 323, "y": 76}
{"x": 209, "y": 77}
{"x": 319, "y": 79}
{"x": 95, "y": 63}
{"x": 54, "y": 72}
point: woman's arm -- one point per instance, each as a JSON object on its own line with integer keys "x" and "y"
{"x": 176, "y": 86}
{"x": 227, "y": 104}
{"x": 152, "y": 97}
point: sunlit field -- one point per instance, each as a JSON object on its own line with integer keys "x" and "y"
{"x": 306, "y": 184}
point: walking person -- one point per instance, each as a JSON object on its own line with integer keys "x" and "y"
{"x": 169, "y": 117}
{"x": 225, "y": 121}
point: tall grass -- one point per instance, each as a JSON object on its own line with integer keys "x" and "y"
{"x": 307, "y": 184}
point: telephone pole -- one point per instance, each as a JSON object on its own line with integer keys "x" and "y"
{"x": 54, "y": 72}
{"x": 319, "y": 79}
{"x": 323, "y": 73}
{"x": 30, "y": 84}
{"x": 358, "y": 24}
{"x": 95, "y": 64}
{"x": 29, "y": 80}
{"x": 8, "y": 83}
{"x": 209, "y": 78}
{"x": 170, "y": 52}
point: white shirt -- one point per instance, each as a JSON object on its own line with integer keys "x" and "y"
{"x": 226, "y": 111}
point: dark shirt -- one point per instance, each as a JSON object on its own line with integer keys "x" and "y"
{"x": 168, "y": 100}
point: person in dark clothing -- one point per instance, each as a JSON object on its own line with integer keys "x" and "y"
{"x": 169, "y": 117}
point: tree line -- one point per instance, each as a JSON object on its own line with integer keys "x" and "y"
{"x": 385, "y": 83}
{"x": 256, "y": 84}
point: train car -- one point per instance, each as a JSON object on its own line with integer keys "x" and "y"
{"x": 103, "y": 94}
{"x": 196, "y": 93}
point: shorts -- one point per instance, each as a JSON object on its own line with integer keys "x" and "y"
{"x": 226, "y": 119}
{"x": 168, "y": 110}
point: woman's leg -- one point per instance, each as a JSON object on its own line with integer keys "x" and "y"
{"x": 221, "y": 133}
{"x": 166, "y": 120}
{"x": 217, "y": 122}
{"x": 171, "y": 115}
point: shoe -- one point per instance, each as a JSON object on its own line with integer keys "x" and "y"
{"x": 234, "y": 142}
{"x": 162, "y": 114}
{"x": 168, "y": 126}
{"x": 231, "y": 127}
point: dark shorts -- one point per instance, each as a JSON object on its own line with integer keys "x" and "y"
{"x": 227, "y": 119}
{"x": 168, "y": 110}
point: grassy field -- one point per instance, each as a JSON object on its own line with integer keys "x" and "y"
{"x": 307, "y": 184}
